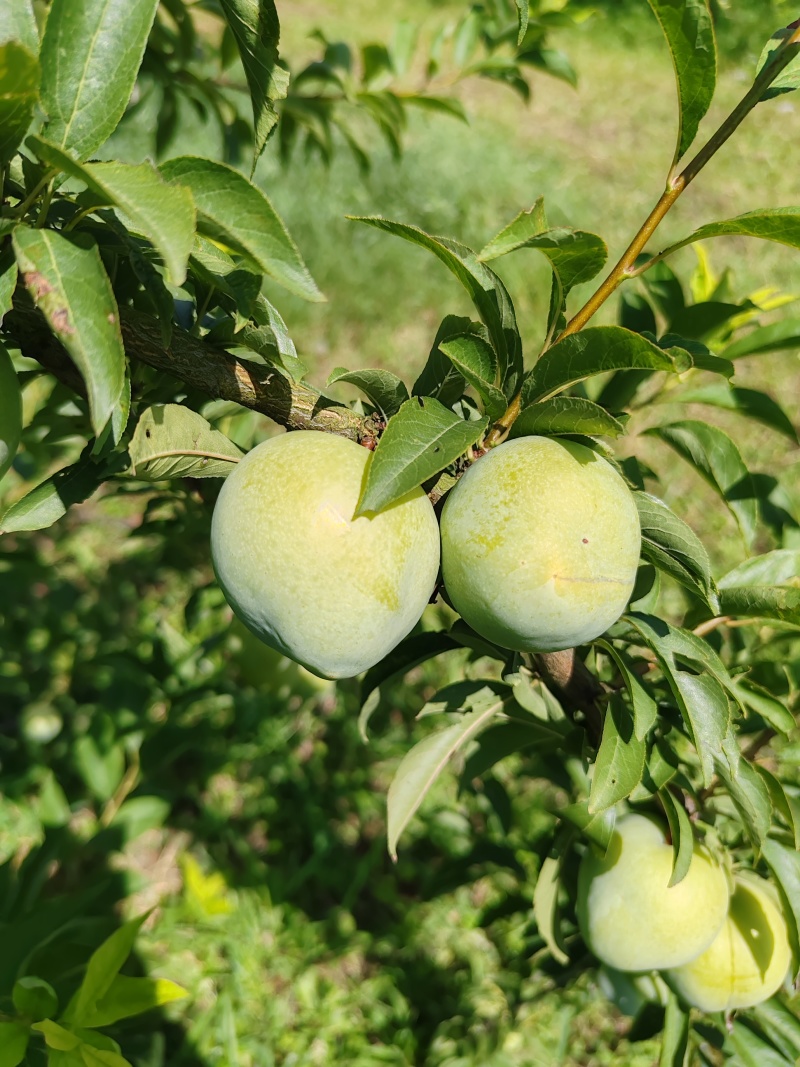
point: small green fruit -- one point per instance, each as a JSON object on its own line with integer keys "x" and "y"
{"x": 540, "y": 545}
{"x": 10, "y": 412}
{"x": 629, "y": 915}
{"x": 333, "y": 592}
{"x": 749, "y": 958}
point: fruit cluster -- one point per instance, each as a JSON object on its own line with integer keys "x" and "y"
{"x": 720, "y": 950}
{"x": 539, "y": 548}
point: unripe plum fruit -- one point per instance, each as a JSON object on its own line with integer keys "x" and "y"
{"x": 630, "y": 917}
{"x": 748, "y": 959}
{"x": 333, "y": 592}
{"x": 540, "y": 545}
{"x": 10, "y": 412}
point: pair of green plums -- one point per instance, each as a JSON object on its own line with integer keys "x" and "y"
{"x": 539, "y": 546}
{"x": 722, "y": 943}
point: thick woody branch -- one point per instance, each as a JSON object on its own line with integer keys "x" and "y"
{"x": 571, "y": 681}
{"x": 196, "y": 363}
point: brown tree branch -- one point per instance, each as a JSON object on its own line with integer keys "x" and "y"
{"x": 571, "y": 681}
{"x": 197, "y": 364}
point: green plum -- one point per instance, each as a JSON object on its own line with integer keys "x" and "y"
{"x": 748, "y": 959}
{"x": 629, "y": 915}
{"x": 333, "y": 592}
{"x": 540, "y": 545}
{"x": 10, "y": 412}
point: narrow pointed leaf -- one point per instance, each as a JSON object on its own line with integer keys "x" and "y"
{"x": 765, "y": 704}
{"x": 234, "y": 212}
{"x": 675, "y": 1038}
{"x": 421, "y": 767}
{"x": 777, "y": 337}
{"x": 172, "y": 441}
{"x": 90, "y": 56}
{"x": 789, "y": 77}
{"x": 422, "y": 439}
{"x": 257, "y": 31}
{"x": 132, "y": 996}
{"x": 50, "y": 499}
{"x": 102, "y": 969}
{"x": 576, "y": 256}
{"x": 680, "y": 830}
{"x": 785, "y": 865}
{"x": 750, "y": 794}
{"x": 522, "y": 15}
{"x": 780, "y": 224}
{"x": 750, "y": 402}
{"x": 475, "y": 359}
{"x": 545, "y": 906}
{"x": 488, "y": 293}
{"x": 689, "y": 31}
{"x": 594, "y": 351}
{"x": 778, "y": 602}
{"x": 19, "y": 91}
{"x": 70, "y": 286}
{"x": 672, "y": 546}
{"x": 620, "y": 759}
{"x": 384, "y": 390}
{"x": 566, "y": 415}
{"x": 717, "y": 459}
{"x": 162, "y": 213}
{"x": 645, "y": 710}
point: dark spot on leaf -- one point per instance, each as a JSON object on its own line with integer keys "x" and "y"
{"x": 586, "y": 540}
{"x": 147, "y": 433}
{"x": 38, "y": 284}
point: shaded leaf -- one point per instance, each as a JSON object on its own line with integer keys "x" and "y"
{"x": 101, "y": 970}
{"x": 13, "y": 1043}
{"x": 171, "y": 441}
{"x": 70, "y": 286}
{"x": 689, "y": 31}
{"x": 269, "y": 337}
{"x": 476, "y": 361}
{"x": 714, "y": 456}
{"x": 488, "y": 293}
{"x": 785, "y": 865}
{"x": 545, "y": 904}
{"x": 778, "y": 602}
{"x": 566, "y": 415}
{"x": 765, "y": 704}
{"x": 234, "y": 212}
{"x": 132, "y": 996}
{"x": 162, "y": 213}
{"x": 90, "y": 56}
{"x": 19, "y": 91}
{"x": 750, "y": 794}
{"x": 422, "y": 439}
{"x": 778, "y": 336}
{"x": 750, "y": 402}
{"x": 256, "y": 30}
{"x": 645, "y": 710}
{"x": 506, "y": 739}
{"x": 680, "y": 830}
{"x": 596, "y": 828}
{"x": 49, "y": 500}
{"x": 672, "y": 546}
{"x": 619, "y": 765}
{"x": 594, "y": 350}
{"x": 789, "y": 77}
{"x": 675, "y": 1039}
{"x": 384, "y": 390}
{"x": 421, "y": 766}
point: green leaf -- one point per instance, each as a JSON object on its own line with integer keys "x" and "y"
{"x": 132, "y": 996}
{"x": 91, "y": 53}
{"x": 689, "y": 31}
{"x": 443, "y": 105}
{"x": 384, "y": 390}
{"x": 34, "y": 999}
{"x": 789, "y": 77}
{"x": 422, "y": 439}
{"x": 8, "y": 280}
{"x": 619, "y": 766}
{"x": 780, "y": 224}
{"x": 70, "y": 286}
{"x": 56, "y": 1036}
{"x": 232, "y": 211}
{"x": 269, "y": 336}
{"x": 566, "y": 415}
{"x": 18, "y": 23}
{"x": 508, "y": 738}
{"x": 49, "y": 500}
{"x": 673, "y": 546}
{"x": 785, "y": 865}
{"x": 750, "y": 795}
{"x": 19, "y": 91}
{"x": 101, "y": 970}
{"x": 645, "y": 710}
{"x": 750, "y": 402}
{"x": 776, "y": 337}
{"x": 257, "y": 31}
{"x": 93, "y": 1057}
{"x": 522, "y": 15}
{"x": 172, "y": 441}
{"x": 780, "y": 1024}
{"x": 750, "y": 1049}
{"x": 422, "y": 765}
{"x": 701, "y": 698}
{"x": 783, "y": 803}
{"x": 778, "y": 602}
{"x": 780, "y": 567}
{"x": 545, "y": 904}
{"x": 675, "y": 1040}
{"x": 717, "y": 459}
{"x": 765, "y": 704}
{"x": 596, "y": 828}
{"x": 476, "y": 361}
{"x": 594, "y": 350}
{"x": 162, "y": 213}
{"x": 680, "y": 830}
{"x": 488, "y": 293}
{"x": 13, "y": 1043}
{"x": 575, "y": 255}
